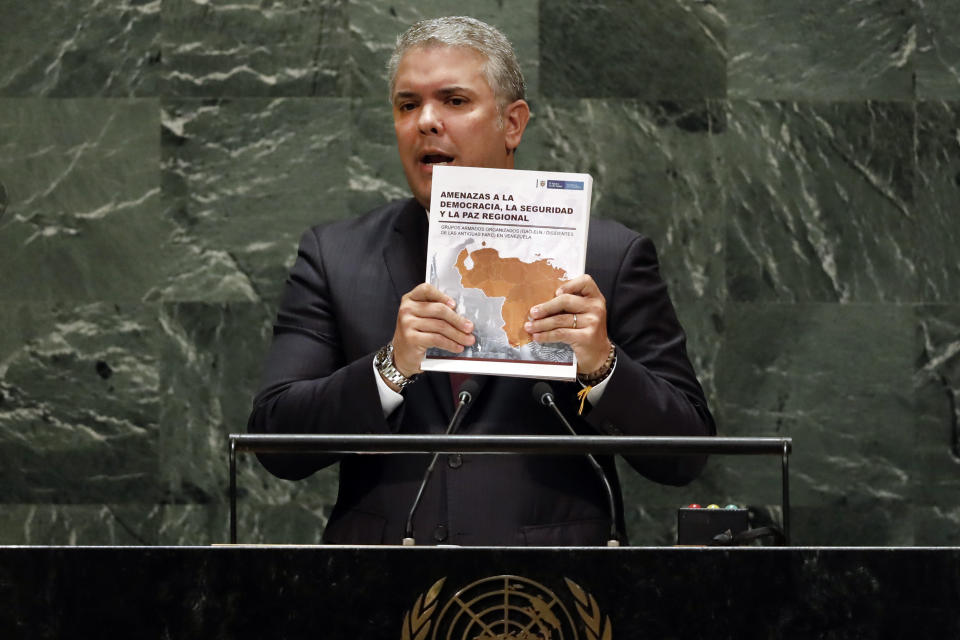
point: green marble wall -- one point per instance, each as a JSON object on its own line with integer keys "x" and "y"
{"x": 797, "y": 164}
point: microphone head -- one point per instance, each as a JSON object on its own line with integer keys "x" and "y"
{"x": 468, "y": 390}
{"x": 543, "y": 393}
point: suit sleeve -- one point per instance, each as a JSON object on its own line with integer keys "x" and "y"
{"x": 654, "y": 390}
{"x": 307, "y": 384}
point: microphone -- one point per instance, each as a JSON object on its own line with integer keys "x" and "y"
{"x": 468, "y": 390}
{"x": 543, "y": 394}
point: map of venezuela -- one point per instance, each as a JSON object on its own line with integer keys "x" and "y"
{"x": 523, "y": 284}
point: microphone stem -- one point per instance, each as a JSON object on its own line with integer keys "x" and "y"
{"x": 454, "y": 423}
{"x": 614, "y": 540}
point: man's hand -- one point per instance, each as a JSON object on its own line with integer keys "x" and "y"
{"x": 577, "y": 316}
{"x": 427, "y": 319}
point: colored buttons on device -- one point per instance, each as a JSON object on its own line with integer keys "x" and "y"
{"x": 694, "y": 505}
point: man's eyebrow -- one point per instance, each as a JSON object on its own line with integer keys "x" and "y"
{"x": 403, "y": 95}
{"x": 443, "y": 92}
{"x": 446, "y": 91}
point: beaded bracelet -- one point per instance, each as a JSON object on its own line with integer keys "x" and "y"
{"x": 604, "y": 370}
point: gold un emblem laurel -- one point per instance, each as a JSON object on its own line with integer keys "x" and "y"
{"x": 504, "y": 608}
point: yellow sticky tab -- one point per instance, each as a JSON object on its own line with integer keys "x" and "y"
{"x": 582, "y": 397}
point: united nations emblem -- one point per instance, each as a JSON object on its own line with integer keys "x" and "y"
{"x": 504, "y": 608}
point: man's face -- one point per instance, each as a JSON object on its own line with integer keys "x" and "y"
{"x": 444, "y": 112}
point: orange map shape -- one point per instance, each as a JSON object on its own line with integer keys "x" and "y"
{"x": 523, "y": 284}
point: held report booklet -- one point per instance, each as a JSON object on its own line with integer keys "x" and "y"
{"x": 501, "y": 241}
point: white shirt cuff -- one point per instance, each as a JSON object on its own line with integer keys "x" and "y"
{"x": 389, "y": 399}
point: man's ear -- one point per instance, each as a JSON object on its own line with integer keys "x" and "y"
{"x": 516, "y": 115}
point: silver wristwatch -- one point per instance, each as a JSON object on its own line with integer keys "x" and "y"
{"x": 383, "y": 361}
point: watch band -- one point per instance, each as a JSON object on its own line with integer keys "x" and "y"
{"x": 383, "y": 361}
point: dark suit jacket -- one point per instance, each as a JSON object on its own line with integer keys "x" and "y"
{"x": 339, "y": 308}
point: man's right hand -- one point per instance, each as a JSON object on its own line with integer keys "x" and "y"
{"x": 427, "y": 319}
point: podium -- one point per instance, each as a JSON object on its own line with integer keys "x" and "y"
{"x": 238, "y": 592}
{"x": 386, "y": 593}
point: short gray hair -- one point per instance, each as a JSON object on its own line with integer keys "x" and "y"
{"x": 501, "y": 68}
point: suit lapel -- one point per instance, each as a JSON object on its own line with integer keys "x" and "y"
{"x": 406, "y": 253}
{"x": 405, "y": 257}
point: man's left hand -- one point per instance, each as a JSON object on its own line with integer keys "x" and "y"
{"x": 577, "y": 316}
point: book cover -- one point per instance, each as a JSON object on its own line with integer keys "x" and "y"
{"x": 501, "y": 241}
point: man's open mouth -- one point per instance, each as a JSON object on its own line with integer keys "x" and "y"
{"x": 436, "y": 158}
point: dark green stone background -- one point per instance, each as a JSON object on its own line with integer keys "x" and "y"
{"x": 797, "y": 165}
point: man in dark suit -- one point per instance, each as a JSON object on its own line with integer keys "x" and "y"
{"x": 356, "y": 320}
